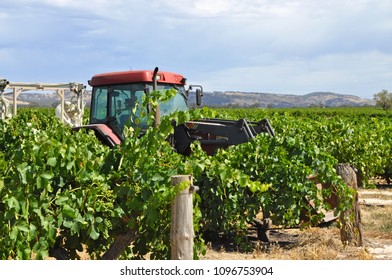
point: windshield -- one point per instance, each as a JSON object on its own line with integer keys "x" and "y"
{"x": 122, "y": 104}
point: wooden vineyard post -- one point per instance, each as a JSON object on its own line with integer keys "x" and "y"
{"x": 350, "y": 231}
{"x": 181, "y": 233}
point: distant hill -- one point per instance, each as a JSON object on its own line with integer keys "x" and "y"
{"x": 233, "y": 99}
{"x": 272, "y": 100}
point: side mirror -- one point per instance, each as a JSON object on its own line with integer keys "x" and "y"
{"x": 199, "y": 93}
{"x": 199, "y": 96}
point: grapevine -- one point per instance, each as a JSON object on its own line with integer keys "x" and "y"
{"x": 63, "y": 191}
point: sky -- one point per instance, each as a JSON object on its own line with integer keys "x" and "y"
{"x": 272, "y": 46}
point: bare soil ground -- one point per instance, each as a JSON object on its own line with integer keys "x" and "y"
{"x": 323, "y": 243}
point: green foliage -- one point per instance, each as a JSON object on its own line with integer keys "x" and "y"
{"x": 275, "y": 174}
{"x": 52, "y": 191}
{"x": 61, "y": 188}
{"x": 359, "y": 136}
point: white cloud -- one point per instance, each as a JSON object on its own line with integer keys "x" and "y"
{"x": 206, "y": 8}
{"x": 285, "y": 45}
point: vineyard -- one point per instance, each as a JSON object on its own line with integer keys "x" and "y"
{"x": 63, "y": 192}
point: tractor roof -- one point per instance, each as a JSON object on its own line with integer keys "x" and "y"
{"x": 136, "y": 76}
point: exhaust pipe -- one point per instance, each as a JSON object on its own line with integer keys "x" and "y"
{"x": 157, "y": 110}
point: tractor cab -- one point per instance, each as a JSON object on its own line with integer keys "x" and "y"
{"x": 121, "y": 104}
{"x": 117, "y": 100}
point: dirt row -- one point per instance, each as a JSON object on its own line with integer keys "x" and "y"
{"x": 324, "y": 243}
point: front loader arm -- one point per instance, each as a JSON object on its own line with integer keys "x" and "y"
{"x": 217, "y": 133}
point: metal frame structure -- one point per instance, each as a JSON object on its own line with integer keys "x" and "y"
{"x": 60, "y": 88}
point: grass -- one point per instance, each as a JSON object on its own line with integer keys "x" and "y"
{"x": 377, "y": 221}
{"x": 311, "y": 244}
{"x": 320, "y": 243}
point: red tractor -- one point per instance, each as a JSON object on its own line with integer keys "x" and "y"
{"x": 116, "y": 102}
